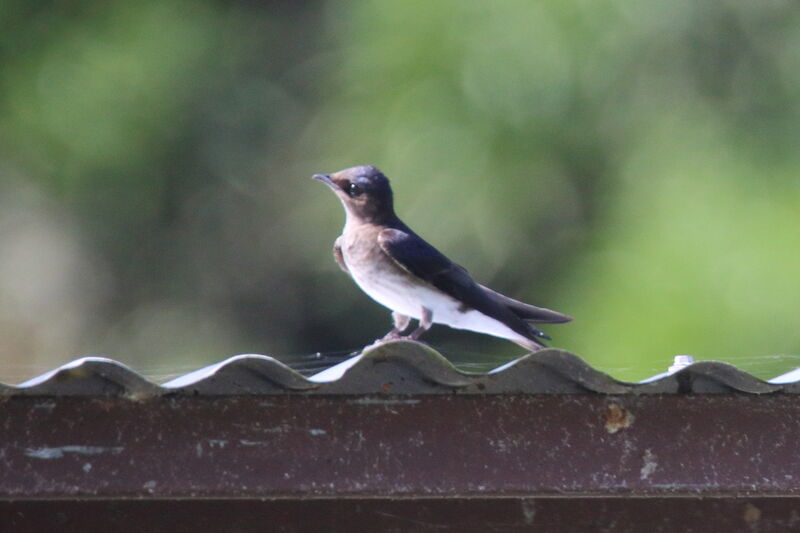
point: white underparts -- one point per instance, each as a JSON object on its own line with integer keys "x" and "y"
{"x": 396, "y": 292}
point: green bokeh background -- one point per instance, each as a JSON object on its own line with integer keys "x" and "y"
{"x": 633, "y": 164}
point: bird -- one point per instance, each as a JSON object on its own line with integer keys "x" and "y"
{"x": 401, "y": 271}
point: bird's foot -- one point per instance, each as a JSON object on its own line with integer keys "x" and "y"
{"x": 391, "y": 336}
{"x": 398, "y": 337}
{"x": 415, "y": 335}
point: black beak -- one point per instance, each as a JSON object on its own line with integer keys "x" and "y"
{"x": 326, "y": 179}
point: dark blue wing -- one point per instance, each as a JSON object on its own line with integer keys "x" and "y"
{"x": 427, "y": 263}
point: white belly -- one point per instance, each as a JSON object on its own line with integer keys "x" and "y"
{"x": 396, "y": 293}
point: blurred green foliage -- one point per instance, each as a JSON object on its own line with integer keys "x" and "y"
{"x": 633, "y": 164}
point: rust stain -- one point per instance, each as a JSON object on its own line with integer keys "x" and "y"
{"x": 751, "y": 514}
{"x": 618, "y": 418}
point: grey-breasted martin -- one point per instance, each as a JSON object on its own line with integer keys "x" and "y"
{"x": 401, "y": 271}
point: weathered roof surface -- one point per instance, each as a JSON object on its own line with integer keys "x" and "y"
{"x": 399, "y": 367}
{"x": 398, "y": 439}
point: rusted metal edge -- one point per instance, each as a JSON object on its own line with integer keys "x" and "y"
{"x": 398, "y": 367}
{"x": 400, "y": 447}
{"x": 565, "y": 515}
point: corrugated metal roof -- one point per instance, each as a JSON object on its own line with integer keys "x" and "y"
{"x": 400, "y": 423}
{"x": 398, "y": 367}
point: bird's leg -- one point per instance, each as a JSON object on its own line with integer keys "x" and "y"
{"x": 425, "y": 323}
{"x": 401, "y": 323}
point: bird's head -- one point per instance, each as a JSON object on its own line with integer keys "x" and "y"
{"x": 364, "y": 192}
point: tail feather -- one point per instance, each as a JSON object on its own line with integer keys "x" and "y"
{"x": 540, "y": 334}
{"x": 530, "y": 313}
{"x": 531, "y": 345}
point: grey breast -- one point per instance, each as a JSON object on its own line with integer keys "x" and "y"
{"x": 362, "y": 251}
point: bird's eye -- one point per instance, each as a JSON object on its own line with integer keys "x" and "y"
{"x": 354, "y": 190}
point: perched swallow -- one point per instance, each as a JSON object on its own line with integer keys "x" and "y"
{"x": 401, "y": 271}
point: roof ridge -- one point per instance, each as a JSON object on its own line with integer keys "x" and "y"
{"x": 396, "y": 367}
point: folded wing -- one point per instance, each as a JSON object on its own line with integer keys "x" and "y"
{"x": 425, "y": 262}
{"x": 528, "y": 312}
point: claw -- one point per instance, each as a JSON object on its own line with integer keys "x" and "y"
{"x": 391, "y": 336}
